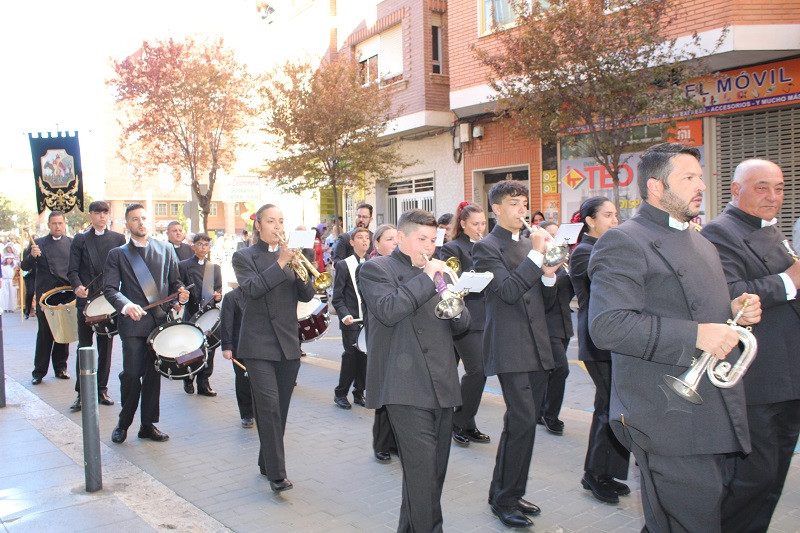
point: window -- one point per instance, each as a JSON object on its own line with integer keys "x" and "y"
{"x": 499, "y": 13}
{"x": 175, "y": 209}
{"x": 369, "y": 70}
{"x": 382, "y": 56}
{"x": 213, "y": 211}
{"x": 237, "y": 209}
{"x": 437, "y": 48}
{"x": 161, "y": 209}
{"x": 410, "y": 193}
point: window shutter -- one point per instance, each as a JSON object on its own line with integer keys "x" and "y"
{"x": 390, "y": 59}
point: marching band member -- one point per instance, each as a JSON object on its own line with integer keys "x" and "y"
{"x": 138, "y": 273}
{"x": 268, "y": 344}
{"x": 606, "y": 458}
{"x": 411, "y": 368}
{"x": 756, "y": 258}
{"x": 659, "y": 298}
{"x": 230, "y": 328}
{"x": 48, "y": 256}
{"x": 469, "y": 227}
{"x": 516, "y": 344}
{"x": 87, "y": 259}
{"x": 175, "y": 236}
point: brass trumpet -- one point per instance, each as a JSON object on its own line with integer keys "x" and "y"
{"x": 554, "y": 253}
{"x": 322, "y": 280}
{"x": 721, "y": 375}
{"x": 452, "y": 303}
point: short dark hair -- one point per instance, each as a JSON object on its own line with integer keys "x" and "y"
{"x": 99, "y": 206}
{"x": 445, "y": 219}
{"x": 133, "y": 207}
{"x": 412, "y": 218}
{"x": 547, "y": 223}
{"x": 501, "y": 189}
{"x": 56, "y": 213}
{"x": 174, "y": 223}
{"x": 656, "y": 163}
{"x": 201, "y": 237}
{"x": 365, "y": 206}
{"x": 354, "y": 231}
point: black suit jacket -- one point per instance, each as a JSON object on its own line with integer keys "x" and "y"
{"x": 651, "y": 286}
{"x": 461, "y": 248}
{"x": 411, "y": 358}
{"x": 52, "y": 266}
{"x": 558, "y": 315}
{"x": 752, "y": 257}
{"x": 579, "y": 274}
{"x": 192, "y": 272}
{"x": 120, "y": 285}
{"x": 344, "y": 298}
{"x": 515, "y": 338}
{"x": 231, "y": 319}
{"x": 343, "y": 249}
{"x": 81, "y": 268}
{"x": 269, "y": 317}
{"x": 184, "y": 251}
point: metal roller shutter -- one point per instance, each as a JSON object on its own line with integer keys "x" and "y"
{"x": 773, "y": 134}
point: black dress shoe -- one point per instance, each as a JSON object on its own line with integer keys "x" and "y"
{"x": 511, "y": 516}
{"x": 119, "y": 435}
{"x": 247, "y": 422}
{"x": 600, "y": 488}
{"x": 620, "y": 488}
{"x": 188, "y": 386}
{"x": 206, "y": 390}
{"x": 528, "y": 508}
{"x": 280, "y": 485}
{"x": 62, "y": 375}
{"x": 76, "y": 405}
{"x": 36, "y": 381}
{"x": 151, "y": 432}
{"x": 383, "y": 457}
{"x": 342, "y": 402}
{"x": 359, "y": 400}
{"x": 553, "y": 425}
{"x": 475, "y": 435}
{"x": 104, "y": 399}
{"x": 460, "y": 436}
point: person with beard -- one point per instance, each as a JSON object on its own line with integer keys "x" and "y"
{"x": 659, "y": 299}
{"x": 136, "y": 274}
{"x": 342, "y": 248}
{"x": 757, "y": 258}
{"x": 48, "y": 256}
{"x": 175, "y": 236}
{"x": 87, "y": 259}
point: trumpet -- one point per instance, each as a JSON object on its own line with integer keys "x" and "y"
{"x": 721, "y": 375}
{"x": 554, "y": 253}
{"x": 452, "y": 303}
{"x": 789, "y": 249}
{"x": 322, "y": 280}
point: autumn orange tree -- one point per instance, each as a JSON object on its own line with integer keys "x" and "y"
{"x": 596, "y": 67}
{"x": 325, "y": 126}
{"x": 185, "y": 106}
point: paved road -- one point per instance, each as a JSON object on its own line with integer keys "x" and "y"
{"x": 206, "y": 479}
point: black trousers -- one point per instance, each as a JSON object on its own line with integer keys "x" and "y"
{"x": 423, "y": 442}
{"x": 470, "y": 348}
{"x": 204, "y": 373}
{"x": 272, "y": 383}
{"x": 557, "y": 380}
{"x": 759, "y": 477}
{"x": 139, "y": 380}
{"x": 382, "y": 436}
{"x": 47, "y": 348}
{"x": 523, "y": 393}
{"x": 354, "y": 366}
{"x": 105, "y": 345}
{"x": 605, "y": 456}
{"x": 244, "y": 396}
{"x": 30, "y": 290}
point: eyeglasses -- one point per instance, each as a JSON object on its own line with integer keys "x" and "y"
{"x": 363, "y": 217}
{"x": 202, "y": 244}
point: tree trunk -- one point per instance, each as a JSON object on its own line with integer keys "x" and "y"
{"x": 336, "y": 208}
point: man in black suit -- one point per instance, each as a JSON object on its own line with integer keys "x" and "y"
{"x": 136, "y": 274}
{"x": 30, "y": 291}
{"x": 347, "y": 303}
{"x": 659, "y": 299}
{"x": 87, "y": 259}
{"x": 207, "y": 280}
{"x": 342, "y": 248}
{"x": 268, "y": 344}
{"x": 230, "y": 328}
{"x": 49, "y": 257}
{"x": 175, "y": 236}
{"x": 516, "y": 344}
{"x": 411, "y": 368}
{"x": 756, "y": 258}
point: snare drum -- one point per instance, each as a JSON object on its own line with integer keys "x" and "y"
{"x": 208, "y": 321}
{"x": 58, "y": 306}
{"x": 181, "y": 349}
{"x": 312, "y": 319}
{"x": 101, "y": 315}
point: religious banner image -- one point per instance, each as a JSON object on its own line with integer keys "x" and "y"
{"x": 57, "y": 172}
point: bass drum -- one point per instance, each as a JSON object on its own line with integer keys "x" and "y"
{"x": 181, "y": 349}
{"x": 59, "y": 308}
{"x": 208, "y": 320}
{"x": 101, "y": 315}
{"x": 312, "y": 319}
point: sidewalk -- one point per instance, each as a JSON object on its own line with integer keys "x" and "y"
{"x": 205, "y": 477}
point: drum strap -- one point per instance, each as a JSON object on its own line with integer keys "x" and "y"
{"x": 208, "y": 280}
{"x": 142, "y": 273}
{"x": 352, "y": 265}
{"x": 94, "y": 259}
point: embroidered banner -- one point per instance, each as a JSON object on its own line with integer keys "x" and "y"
{"x": 57, "y": 171}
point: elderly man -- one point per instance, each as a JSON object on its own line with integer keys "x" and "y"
{"x": 757, "y": 258}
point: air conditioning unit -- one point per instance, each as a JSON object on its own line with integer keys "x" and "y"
{"x": 464, "y": 130}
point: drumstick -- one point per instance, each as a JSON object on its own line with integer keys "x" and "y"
{"x": 240, "y": 365}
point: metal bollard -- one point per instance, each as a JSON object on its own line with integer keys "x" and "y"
{"x": 90, "y": 415}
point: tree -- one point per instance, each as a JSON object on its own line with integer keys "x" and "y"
{"x": 15, "y": 215}
{"x": 595, "y": 67}
{"x": 185, "y": 106}
{"x": 78, "y": 219}
{"x": 326, "y": 127}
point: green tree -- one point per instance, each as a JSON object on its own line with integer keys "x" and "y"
{"x": 186, "y": 105}
{"x": 598, "y": 67}
{"x": 326, "y": 125}
{"x": 13, "y": 215}
{"x": 78, "y": 219}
